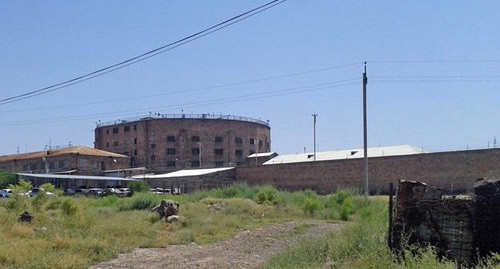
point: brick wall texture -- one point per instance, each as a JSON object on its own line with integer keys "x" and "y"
{"x": 457, "y": 171}
{"x": 166, "y": 144}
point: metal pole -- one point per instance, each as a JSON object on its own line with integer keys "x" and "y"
{"x": 314, "y": 135}
{"x": 365, "y": 135}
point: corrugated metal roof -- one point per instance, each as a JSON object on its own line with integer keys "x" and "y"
{"x": 346, "y": 154}
{"x": 261, "y": 154}
{"x": 186, "y": 173}
{"x": 53, "y": 176}
{"x": 60, "y": 152}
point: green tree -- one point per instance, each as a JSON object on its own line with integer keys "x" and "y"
{"x": 139, "y": 186}
{"x": 7, "y": 179}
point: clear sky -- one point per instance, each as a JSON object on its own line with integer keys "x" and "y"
{"x": 433, "y": 69}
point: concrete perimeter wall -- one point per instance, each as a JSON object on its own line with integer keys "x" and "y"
{"x": 456, "y": 170}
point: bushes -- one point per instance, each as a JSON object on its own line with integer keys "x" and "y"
{"x": 139, "y": 201}
{"x": 268, "y": 194}
{"x": 69, "y": 207}
{"x": 138, "y": 186}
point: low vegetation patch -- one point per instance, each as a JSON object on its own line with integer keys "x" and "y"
{"x": 77, "y": 232}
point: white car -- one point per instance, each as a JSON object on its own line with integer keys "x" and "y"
{"x": 5, "y": 193}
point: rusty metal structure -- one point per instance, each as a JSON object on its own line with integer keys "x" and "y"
{"x": 461, "y": 228}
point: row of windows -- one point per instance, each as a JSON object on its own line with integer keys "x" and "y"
{"x": 126, "y": 128}
{"x": 197, "y": 164}
{"x": 41, "y": 166}
{"x": 218, "y": 139}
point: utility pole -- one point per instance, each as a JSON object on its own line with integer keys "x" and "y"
{"x": 365, "y": 135}
{"x": 314, "y": 135}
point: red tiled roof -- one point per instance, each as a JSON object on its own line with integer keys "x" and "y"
{"x": 59, "y": 152}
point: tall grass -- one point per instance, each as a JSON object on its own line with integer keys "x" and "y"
{"x": 76, "y": 232}
{"x": 361, "y": 244}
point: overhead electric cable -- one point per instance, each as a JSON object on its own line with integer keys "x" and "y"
{"x": 192, "y": 90}
{"x": 143, "y": 56}
{"x": 253, "y": 96}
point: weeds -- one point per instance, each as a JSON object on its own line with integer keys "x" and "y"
{"x": 80, "y": 231}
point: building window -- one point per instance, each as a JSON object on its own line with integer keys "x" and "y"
{"x": 238, "y": 153}
{"x": 135, "y": 127}
{"x": 153, "y": 146}
{"x": 239, "y": 163}
{"x": 135, "y": 141}
{"x": 135, "y": 152}
{"x": 195, "y": 138}
{"x": 261, "y": 143}
{"x": 170, "y": 151}
{"x": 219, "y": 139}
{"x": 170, "y": 138}
{"x": 219, "y": 164}
{"x": 115, "y": 144}
{"x": 238, "y": 140}
{"x": 33, "y": 166}
{"x": 218, "y": 152}
{"x": 252, "y": 141}
{"x": 171, "y": 164}
{"x": 61, "y": 164}
{"x": 195, "y": 163}
{"x": 51, "y": 165}
{"x": 126, "y": 128}
{"x": 195, "y": 151}
{"x": 107, "y": 131}
{"x": 107, "y": 144}
{"x": 115, "y": 130}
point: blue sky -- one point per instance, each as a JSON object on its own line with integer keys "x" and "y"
{"x": 433, "y": 69}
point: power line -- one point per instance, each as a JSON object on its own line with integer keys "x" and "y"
{"x": 432, "y": 61}
{"x": 239, "y": 83}
{"x": 247, "y": 97}
{"x": 143, "y": 56}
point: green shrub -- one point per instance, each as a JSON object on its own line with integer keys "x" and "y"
{"x": 268, "y": 194}
{"x": 22, "y": 186}
{"x": 140, "y": 201}
{"x": 346, "y": 209}
{"x": 69, "y": 207}
{"x": 340, "y": 196}
{"x": 311, "y": 205}
{"x": 139, "y": 186}
{"x": 18, "y": 203}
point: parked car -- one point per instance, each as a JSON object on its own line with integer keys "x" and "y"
{"x": 98, "y": 192}
{"x": 37, "y": 191}
{"x": 126, "y": 191}
{"x": 158, "y": 191}
{"x": 5, "y": 193}
{"x": 116, "y": 191}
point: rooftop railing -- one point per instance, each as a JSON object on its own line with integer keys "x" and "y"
{"x": 154, "y": 116}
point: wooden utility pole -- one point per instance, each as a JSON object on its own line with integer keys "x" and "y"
{"x": 365, "y": 135}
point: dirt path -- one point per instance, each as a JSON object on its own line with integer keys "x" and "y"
{"x": 248, "y": 249}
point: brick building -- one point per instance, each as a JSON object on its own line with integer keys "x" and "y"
{"x": 167, "y": 142}
{"x": 70, "y": 160}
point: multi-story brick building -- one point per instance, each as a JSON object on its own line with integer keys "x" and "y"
{"x": 165, "y": 142}
{"x": 70, "y": 160}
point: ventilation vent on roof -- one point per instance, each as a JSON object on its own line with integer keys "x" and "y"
{"x": 354, "y": 152}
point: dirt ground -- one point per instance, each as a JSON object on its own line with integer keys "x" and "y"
{"x": 248, "y": 249}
